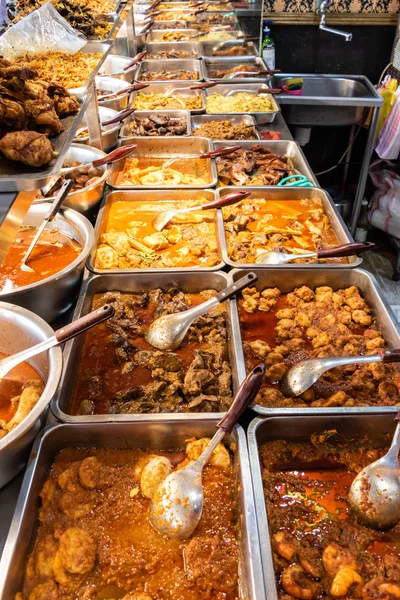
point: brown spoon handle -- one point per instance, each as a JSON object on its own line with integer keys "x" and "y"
{"x": 80, "y": 325}
{"x": 236, "y": 287}
{"x": 203, "y": 86}
{"x": 346, "y": 249}
{"x": 244, "y": 396}
{"x": 135, "y": 60}
{"x": 226, "y": 200}
{"x": 391, "y": 356}
{"x": 272, "y": 91}
{"x": 119, "y": 116}
{"x": 221, "y": 151}
{"x": 115, "y": 155}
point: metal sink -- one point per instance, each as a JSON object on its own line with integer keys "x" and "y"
{"x": 326, "y": 99}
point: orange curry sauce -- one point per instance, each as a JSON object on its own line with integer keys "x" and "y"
{"x": 11, "y": 386}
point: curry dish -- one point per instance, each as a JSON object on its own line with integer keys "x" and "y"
{"x": 255, "y": 226}
{"x": 130, "y": 240}
{"x": 52, "y": 253}
{"x": 284, "y": 329}
{"x": 95, "y": 539}
{"x": 155, "y": 171}
{"x": 319, "y": 550}
{"x": 120, "y": 373}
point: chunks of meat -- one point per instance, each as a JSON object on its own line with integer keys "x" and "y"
{"x": 29, "y": 147}
{"x": 107, "y": 257}
{"x": 29, "y": 397}
{"x": 90, "y": 473}
{"x": 220, "y": 457}
{"x": 44, "y": 591}
{"x": 77, "y": 551}
{"x": 260, "y": 348}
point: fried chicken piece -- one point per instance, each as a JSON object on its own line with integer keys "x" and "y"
{"x": 11, "y": 110}
{"x": 29, "y": 397}
{"x": 29, "y": 147}
{"x": 42, "y": 113}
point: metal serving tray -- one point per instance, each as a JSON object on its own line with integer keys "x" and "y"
{"x": 192, "y": 47}
{"x": 168, "y": 147}
{"x": 154, "y": 36}
{"x": 284, "y": 148}
{"x": 206, "y": 17}
{"x": 142, "y": 114}
{"x": 158, "y": 436}
{"x": 298, "y": 429}
{"x": 211, "y": 65}
{"x": 336, "y": 278}
{"x": 251, "y": 88}
{"x": 281, "y": 194}
{"x": 184, "y": 90}
{"x": 115, "y": 20}
{"x": 171, "y": 64}
{"x": 17, "y": 177}
{"x": 168, "y": 25}
{"x": 114, "y": 67}
{"x": 235, "y": 119}
{"x": 141, "y": 281}
{"x": 207, "y": 49}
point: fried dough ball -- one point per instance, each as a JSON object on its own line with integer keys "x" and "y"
{"x": 153, "y": 474}
{"x": 360, "y": 316}
{"x": 250, "y": 304}
{"x": 90, "y": 474}
{"x": 305, "y": 293}
{"x": 322, "y": 339}
{"x": 220, "y": 457}
{"x": 77, "y": 551}
{"x": 260, "y": 348}
{"x": 44, "y": 591}
{"x": 67, "y": 580}
{"x": 45, "y": 552}
{"x": 276, "y": 372}
{"x": 68, "y": 479}
{"x": 106, "y": 258}
{"x": 303, "y": 319}
{"x": 285, "y": 313}
{"x": 77, "y": 505}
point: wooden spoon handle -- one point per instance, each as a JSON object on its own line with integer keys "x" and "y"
{"x": 226, "y": 200}
{"x": 203, "y": 86}
{"x": 345, "y": 249}
{"x": 273, "y": 91}
{"x": 236, "y": 287}
{"x": 123, "y": 114}
{"x": 221, "y": 151}
{"x": 115, "y": 155}
{"x": 244, "y": 396}
{"x": 391, "y": 356}
{"x": 80, "y": 325}
{"x": 135, "y": 60}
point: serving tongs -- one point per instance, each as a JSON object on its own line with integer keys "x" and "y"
{"x": 280, "y": 258}
{"x": 250, "y": 74}
{"x": 271, "y": 91}
{"x": 129, "y": 67}
{"x": 164, "y": 217}
{"x": 212, "y": 154}
{"x": 121, "y": 116}
{"x": 60, "y": 336}
{"x": 121, "y": 93}
{"x": 197, "y": 86}
{"x": 54, "y": 208}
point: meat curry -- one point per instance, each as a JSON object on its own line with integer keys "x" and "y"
{"x": 95, "y": 539}
{"x": 120, "y": 373}
{"x": 319, "y": 549}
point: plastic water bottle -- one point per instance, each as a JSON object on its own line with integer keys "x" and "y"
{"x": 268, "y": 46}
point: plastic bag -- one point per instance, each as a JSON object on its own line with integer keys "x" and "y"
{"x": 385, "y": 205}
{"x": 43, "y": 30}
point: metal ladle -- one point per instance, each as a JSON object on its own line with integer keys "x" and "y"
{"x": 280, "y": 258}
{"x": 177, "y": 504}
{"x": 375, "y": 492}
{"x": 167, "y": 332}
{"x": 303, "y": 375}
{"x": 163, "y": 218}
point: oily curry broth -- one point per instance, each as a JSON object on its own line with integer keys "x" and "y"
{"x": 313, "y": 532}
{"x": 148, "y": 170}
{"x": 53, "y": 252}
{"x": 11, "y": 386}
{"x": 96, "y": 497}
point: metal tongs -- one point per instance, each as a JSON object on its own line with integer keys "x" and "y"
{"x": 197, "y": 86}
{"x": 250, "y": 74}
{"x": 121, "y": 93}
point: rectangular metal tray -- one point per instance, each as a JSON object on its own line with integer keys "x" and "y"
{"x": 206, "y": 17}
{"x": 185, "y": 46}
{"x": 17, "y": 177}
{"x": 154, "y": 36}
{"x": 235, "y": 119}
{"x": 165, "y": 147}
{"x": 142, "y": 114}
{"x": 171, "y": 64}
{"x": 212, "y": 64}
{"x": 184, "y": 90}
{"x": 287, "y": 148}
{"x": 152, "y": 196}
{"x": 281, "y": 194}
{"x": 297, "y": 429}
{"x": 168, "y": 25}
{"x": 251, "y": 88}
{"x": 207, "y": 49}
{"x": 140, "y": 281}
{"x": 336, "y": 279}
{"x": 158, "y": 436}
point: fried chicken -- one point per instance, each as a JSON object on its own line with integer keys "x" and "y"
{"x": 29, "y": 147}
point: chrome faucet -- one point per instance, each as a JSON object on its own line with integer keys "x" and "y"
{"x": 322, "y": 24}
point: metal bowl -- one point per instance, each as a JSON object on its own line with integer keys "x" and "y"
{"x": 109, "y": 136}
{"x": 84, "y": 199}
{"x": 113, "y": 84}
{"x": 53, "y": 296}
{"x": 113, "y": 66}
{"x": 21, "y": 329}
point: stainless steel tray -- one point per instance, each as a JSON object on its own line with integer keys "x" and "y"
{"x": 154, "y": 36}
{"x": 235, "y": 119}
{"x": 287, "y": 148}
{"x": 192, "y": 47}
{"x": 140, "y": 196}
{"x": 17, "y": 177}
{"x": 207, "y": 17}
{"x": 142, "y": 114}
{"x": 114, "y": 67}
{"x": 335, "y": 278}
{"x": 250, "y": 88}
{"x": 281, "y": 194}
{"x": 298, "y": 429}
{"x": 171, "y": 64}
{"x": 182, "y": 86}
{"x": 158, "y": 436}
{"x": 168, "y": 147}
{"x": 211, "y": 65}
{"x": 168, "y": 25}
{"x": 207, "y": 49}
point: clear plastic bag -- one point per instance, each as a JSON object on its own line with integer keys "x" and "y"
{"x": 43, "y": 30}
{"x": 385, "y": 206}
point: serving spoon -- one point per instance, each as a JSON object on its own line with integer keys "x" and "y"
{"x": 375, "y": 493}
{"x": 177, "y": 504}
{"x": 164, "y": 217}
{"x": 120, "y": 116}
{"x": 60, "y": 336}
{"x": 213, "y": 154}
{"x": 120, "y": 93}
{"x": 167, "y": 332}
{"x": 303, "y": 375}
{"x": 280, "y": 258}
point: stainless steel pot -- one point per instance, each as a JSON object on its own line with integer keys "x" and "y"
{"x": 52, "y": 296}
{"x": 109, "y": 136}
{"x": 84, "y": 199}
{"x": 112, "y": 84}
{"x": 21, "y": 329}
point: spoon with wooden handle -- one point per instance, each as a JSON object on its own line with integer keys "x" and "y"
{"x": 224, "y": 151}
{"x": 280, "y": 258}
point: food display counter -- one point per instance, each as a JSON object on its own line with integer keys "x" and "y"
{"x": 185, "y": 179}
